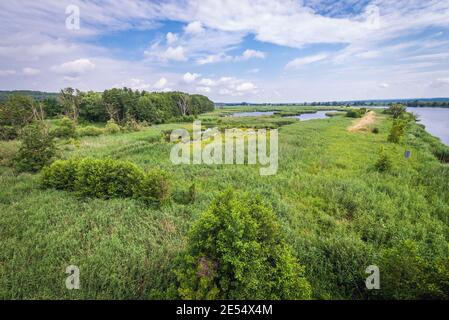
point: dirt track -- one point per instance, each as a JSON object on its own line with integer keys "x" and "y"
{"x": 364, "y": 123}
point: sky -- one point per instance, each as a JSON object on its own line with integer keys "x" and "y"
{"x": 230, "y": 50}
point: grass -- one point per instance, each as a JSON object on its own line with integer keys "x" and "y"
{"x": 336, "y": 210}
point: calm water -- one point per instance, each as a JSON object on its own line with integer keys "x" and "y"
{"x": 253, "y": 114}
{"x": 312, "y": 116}
{"x": 436, "y": 121}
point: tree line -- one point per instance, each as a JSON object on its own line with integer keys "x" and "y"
{"x": 117, "y": 105}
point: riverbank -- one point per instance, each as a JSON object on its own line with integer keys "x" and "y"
{"x": 338, "y": 213}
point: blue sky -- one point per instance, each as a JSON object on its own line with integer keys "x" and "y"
{"x": 231, "y": 51}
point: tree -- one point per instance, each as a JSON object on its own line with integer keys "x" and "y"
{"x": 37, "y": 148}
{"x": 396, "y": 110}
{"x": 236, "y": 251}
{"x": 70, "y": 99}
{"x": 17, "y": 111}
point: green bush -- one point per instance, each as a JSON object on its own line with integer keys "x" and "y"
{"x": 397, "y": 131}
{"x": 112, "y": 127}
{"x": 154, "y": 188}
{"x": 89, "y": 131}
{"x": 66, "y": 129}
{"x": 356, "y": 113}
{"x": 106, "y": 178}
{"x": 37, "y": 148}
{"x": 384, "y": 162}
{"x": 8, "y": 133}
{"x": 236, "y": 251}
{"x": 375, "y": 130}
{"x": 60, "y": 175}
{"x": 407, "y": 275}
{"x": 396, "y": 110}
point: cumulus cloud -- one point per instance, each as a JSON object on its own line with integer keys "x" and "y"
{"x": 194, "y": 28}
{"x": 171, "y": 38}
{"x": 246, "y": 87}
{"x": 190, "y": 77}
{"x": 249, "y": 53}
{"x": 74, "y": 68}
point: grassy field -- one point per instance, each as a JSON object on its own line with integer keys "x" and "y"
{"x": 337, "y": 212}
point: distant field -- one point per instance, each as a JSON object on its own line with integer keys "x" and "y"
{"x": 337, "y": 212}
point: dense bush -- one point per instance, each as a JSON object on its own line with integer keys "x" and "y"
{"x": 65, "y": 129}
{"x": 406, "y": 274}
{"x": 106, "y": 178}
{"x": 154, "y": 188}
{"x": 60, "y": 175}
{"x": 16, "y": 111}
{"x": 112, "y": 127}
{"x": 37, "y": 148}
{"x": 356, "y": 113}
{"x": 89, "y": 131}
{"x": 236, "y": 251}
{"x": 375, "y": 130}
{"x": 8, "y": 132}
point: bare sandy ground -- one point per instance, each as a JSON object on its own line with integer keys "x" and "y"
{"x": 364, "y": 123}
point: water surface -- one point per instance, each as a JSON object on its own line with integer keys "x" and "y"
{"x": 436, "y": 121}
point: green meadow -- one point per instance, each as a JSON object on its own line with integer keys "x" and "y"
{"x": 337, "y": 212}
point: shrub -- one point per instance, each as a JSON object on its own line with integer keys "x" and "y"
{"x": 8, "y": 133}
{"x": 112, "y": 127}
{"x": 89, "y": 131}
{"x": 236, "y": 251}
{"x": 186, "y": 196}
{"x": 106, "y": 178}
{"x": 37, "y": 149}
{"x": 65, "y": 129}
{"x": 60, "y": 175}
{"x": 405, "y": 274}
{"x": 154, "y": 188}
{"x": 375, "y": 130}
{"x": 397, "y": 131}
{"x": 396, "y": 110}
{"x": 384, "y": 162}
{"x": 356, "y": 113}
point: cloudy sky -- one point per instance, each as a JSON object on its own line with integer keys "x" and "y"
{"x": 230, "y": 50}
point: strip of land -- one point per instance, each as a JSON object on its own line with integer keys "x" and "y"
{"x": 364, "y": 123}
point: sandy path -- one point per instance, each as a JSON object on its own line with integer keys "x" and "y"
{"x": 364, "y": 123}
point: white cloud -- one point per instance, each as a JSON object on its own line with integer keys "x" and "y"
{"x": 171, "y": 53}
{"x": 249, "y": 53}
{"x": 134, "y": 84}
{"x": 171, "y": 38}
{"x": 214, "y": 58}
{"x": 190, "y": 77}
{"x": 246, "y": 87}
{"x": 74, "y": 68}
{"x": 300, "y": 62}
{"x": 384, "y": 85}
{"x": 194, "y": 28}
{"x": 161, "y": 83}
{"x": 30, "y": 71}
{"x": 208, "y": 82}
